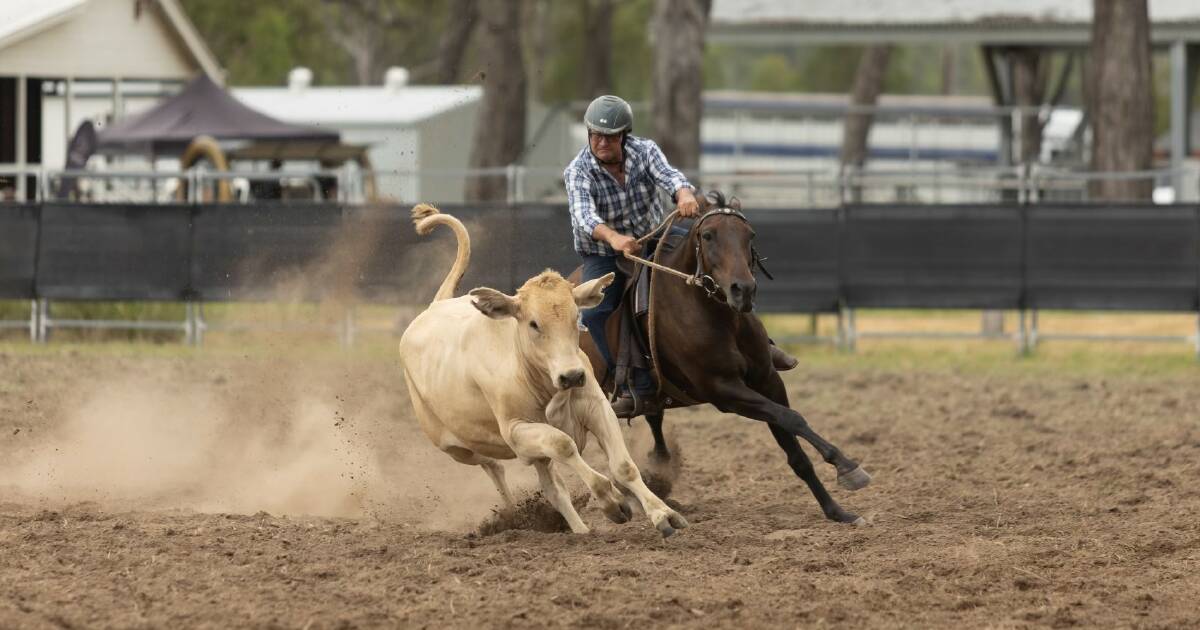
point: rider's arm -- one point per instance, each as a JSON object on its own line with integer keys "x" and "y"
{"x": 671, "y": 180}
{"x": 580, "y": 201}
{"x": 667, "y": 177}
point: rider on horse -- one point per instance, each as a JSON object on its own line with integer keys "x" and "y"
{"x": 612, "y": 199}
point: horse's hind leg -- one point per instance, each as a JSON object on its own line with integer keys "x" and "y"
{"x": 734, "y": 396}
{"x": 660, "y": 452}
{"x": 803, "y": 468}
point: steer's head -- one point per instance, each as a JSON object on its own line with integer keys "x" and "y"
{"x": 546, "y": 310}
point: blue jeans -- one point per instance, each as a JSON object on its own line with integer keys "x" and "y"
{"x": 595, "y": 266}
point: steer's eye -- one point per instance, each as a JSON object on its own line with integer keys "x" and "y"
{"x": 534, "y": 326}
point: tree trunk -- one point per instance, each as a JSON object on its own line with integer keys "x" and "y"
{"x": 1121, "y": 100}
{"x": 677, "y": 29}
{"x": 1030, "y": 76}
{"x": 597, "y": 47}
{"x": 500, "y": 128}
{"x": 949, "y": 69}
{"x": 452, "y": 46}
{"x": 868, "y": 83}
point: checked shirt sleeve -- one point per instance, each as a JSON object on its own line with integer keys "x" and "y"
{"x": 580, "y": 201}
{"x": 666, "y": 176}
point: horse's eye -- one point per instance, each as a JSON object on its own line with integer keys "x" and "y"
{"x": 534, "y": 325}
{"x": 706, "y": 236}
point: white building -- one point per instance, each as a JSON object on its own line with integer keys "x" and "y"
{"x": 409, "y": 128}
{"x": 48, "y": 48}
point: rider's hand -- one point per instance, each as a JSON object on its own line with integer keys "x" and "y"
{"x": 624, "y": 244}
{"x": 686, "y": 203}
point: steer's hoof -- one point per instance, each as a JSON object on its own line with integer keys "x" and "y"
{"x": 856, "y": 479}
{"x": 618, "y": 512}
{"x": 669, "y": 523}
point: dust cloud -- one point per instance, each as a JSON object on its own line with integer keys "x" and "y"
{"x": 281, "y": 434}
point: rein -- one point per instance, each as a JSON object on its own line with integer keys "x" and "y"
{"x": 699, "y": 278}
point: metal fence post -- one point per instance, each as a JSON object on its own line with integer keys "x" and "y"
{"x": 840, "y": 335}
{"x": 510, "y": 172}
{"x": 1033, "y": 330}
{"x": 201, "y": 326}
{"x": 34, "y": 320}
{"x": 43, "y": 320}
{"x": 1021, "y": 337}
{"x": 346, "y": 329}
{"x": 519, "y": 184}
{"x": 1197, "y": 339}
{"x": 190, "y": 329}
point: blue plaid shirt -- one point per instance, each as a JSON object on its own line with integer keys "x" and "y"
{"x": 595, "y": 197}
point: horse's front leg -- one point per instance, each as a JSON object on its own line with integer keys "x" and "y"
{"x": 735, "y": 396}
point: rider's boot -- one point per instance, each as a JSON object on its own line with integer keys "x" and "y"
{"x": 643, "y": 399}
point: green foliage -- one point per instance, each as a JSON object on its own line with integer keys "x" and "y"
{"x": 774, "y": 73}
{"x": 632, "y": 55}
{"x": 258, "y": 42}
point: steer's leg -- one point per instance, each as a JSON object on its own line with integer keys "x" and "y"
{"x": 496, "y": 472}
{"x": 533, "y": 441}
{"x": 492, "y": 467}
{"x": 558, "y": 496}
{"x": 602, "y": 423}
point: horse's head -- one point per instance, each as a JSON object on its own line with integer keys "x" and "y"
{"x": 723, "y": 240}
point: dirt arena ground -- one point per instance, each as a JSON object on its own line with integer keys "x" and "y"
{"x": 157, "y": 489}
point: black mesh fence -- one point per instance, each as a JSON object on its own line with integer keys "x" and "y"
{"x": 1132, "y": 257}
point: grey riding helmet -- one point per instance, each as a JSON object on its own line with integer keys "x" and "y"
{"x": 609, "y": 115}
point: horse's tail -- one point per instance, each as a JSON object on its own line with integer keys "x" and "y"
{"x": 425, "y": 218}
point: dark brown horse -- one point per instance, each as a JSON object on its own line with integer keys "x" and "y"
{"x": 711, "y": 348}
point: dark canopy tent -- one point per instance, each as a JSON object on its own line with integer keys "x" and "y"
{"x": 203, "y": 108}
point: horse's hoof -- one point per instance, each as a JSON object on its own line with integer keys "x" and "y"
{"x": 856, "y": 479}
{"x": 665, "y": 529}
{"x": 860, "y": 522}
{"x": 677, "y": 521}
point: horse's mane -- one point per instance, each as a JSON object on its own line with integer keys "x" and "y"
{"x": 716, "y": 198}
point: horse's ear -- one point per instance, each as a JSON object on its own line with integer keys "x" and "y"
{"x": 701, "y": 201}
{"x": 715, "y": 198}
{"x": 735, "y": 203}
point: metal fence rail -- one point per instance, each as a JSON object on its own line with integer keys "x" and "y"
{"x": 784, "y": 188}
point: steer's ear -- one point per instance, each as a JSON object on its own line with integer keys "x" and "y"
{"x": 591, "y": 293}
{"x": 493, "y": 303}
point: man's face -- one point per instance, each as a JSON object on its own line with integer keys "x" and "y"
{"x": 606, "y": 147}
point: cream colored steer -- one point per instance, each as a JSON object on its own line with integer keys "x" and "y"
{"x": 501, "y": 376}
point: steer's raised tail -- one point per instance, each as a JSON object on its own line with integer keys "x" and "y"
{"x": 426, "y": 217}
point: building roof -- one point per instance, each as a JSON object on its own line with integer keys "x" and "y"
{"x": 202, "y": 108}
{"x": 74, "y": 22}
{"x": 774, "y": 22}
{"x": 21, "y": 18}
{"x": 366, "y": 105}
